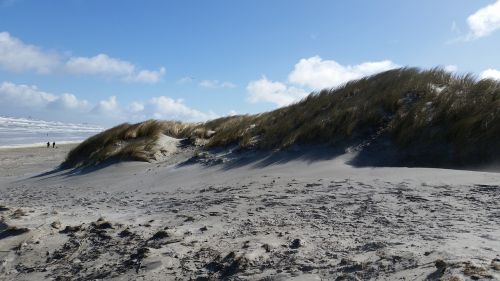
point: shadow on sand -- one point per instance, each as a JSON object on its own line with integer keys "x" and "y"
{"x": 262, "y": 159}
{"x": 69, "y": 172}
{"x": 382, "y": 153}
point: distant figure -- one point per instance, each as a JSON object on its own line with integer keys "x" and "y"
{"x": 48, "y": 144}
{"x": 54, "y": 145}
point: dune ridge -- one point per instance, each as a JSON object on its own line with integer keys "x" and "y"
{"x": 416, "y": 117}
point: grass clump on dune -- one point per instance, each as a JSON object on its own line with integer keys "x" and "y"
{"x": 433, "y": 117}
{"x": 123, "y": 142}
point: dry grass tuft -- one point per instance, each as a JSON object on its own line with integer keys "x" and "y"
{"x": 123, "y": 142}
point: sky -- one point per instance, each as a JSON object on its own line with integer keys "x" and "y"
{"x": 108, "y": 62}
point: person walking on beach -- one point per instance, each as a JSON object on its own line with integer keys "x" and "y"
{"x": 54, "y": 145}
{"x": 48, "y": 144}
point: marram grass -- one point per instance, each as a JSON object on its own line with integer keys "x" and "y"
{"x": 438, "y": 117}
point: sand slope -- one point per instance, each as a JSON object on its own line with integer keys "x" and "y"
{"x": 253, "y": 218}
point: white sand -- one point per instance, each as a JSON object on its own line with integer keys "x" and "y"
{"x": 285, "y": 218}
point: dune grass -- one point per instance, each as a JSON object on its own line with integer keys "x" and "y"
{"x": 435, "y": 117}
{"x": 123, "y": 142}
{"x": 428, "y": 113}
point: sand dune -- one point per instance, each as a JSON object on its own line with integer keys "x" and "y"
{"x": 244, "y": 217}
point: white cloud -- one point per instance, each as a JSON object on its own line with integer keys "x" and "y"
{"x": 214, "y": 84}
{"x": 100, "y": 64}
{"x": 17, "y": 56}
{"x": 451, "y": 68}
{"x": 104, "y": 65}
{"x": 313, "y": 73}
{"x": 135, "y": 107}
{"x": 24, "y": 99}
{"x": 490, "y": 74}
{"x": 108, "y": 107}
{"x": 148, "y": 76}
{"x": 484, "y": 21}
{"x": 70, "y": 101}
{"x": 264, "y": 90}
{"x": 208, "y": 84}
{"x": 24, "y": 96}
{"x": 317, "y": 73}
{"x": 163, "y": 107}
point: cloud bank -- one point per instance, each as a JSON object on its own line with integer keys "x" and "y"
{"x": 17, "y": 56}
{"x": 29, "y": 99}
{"x": 25, "y": 96}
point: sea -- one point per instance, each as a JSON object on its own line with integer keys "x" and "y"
{"x": 27, "y": 132}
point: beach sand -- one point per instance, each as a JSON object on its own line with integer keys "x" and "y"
{"x": 249, "y": 217}
{"x": 16, "y": 162}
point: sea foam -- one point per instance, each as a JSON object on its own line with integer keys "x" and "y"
{"x": 21, "y": 132}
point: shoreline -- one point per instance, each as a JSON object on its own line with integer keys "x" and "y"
{"x": 38, "y": 145}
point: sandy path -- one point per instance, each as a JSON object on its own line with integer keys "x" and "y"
{"x": 298, "y": 220}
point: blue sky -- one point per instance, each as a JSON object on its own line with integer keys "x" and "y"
{"x": 108, "y": 62}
